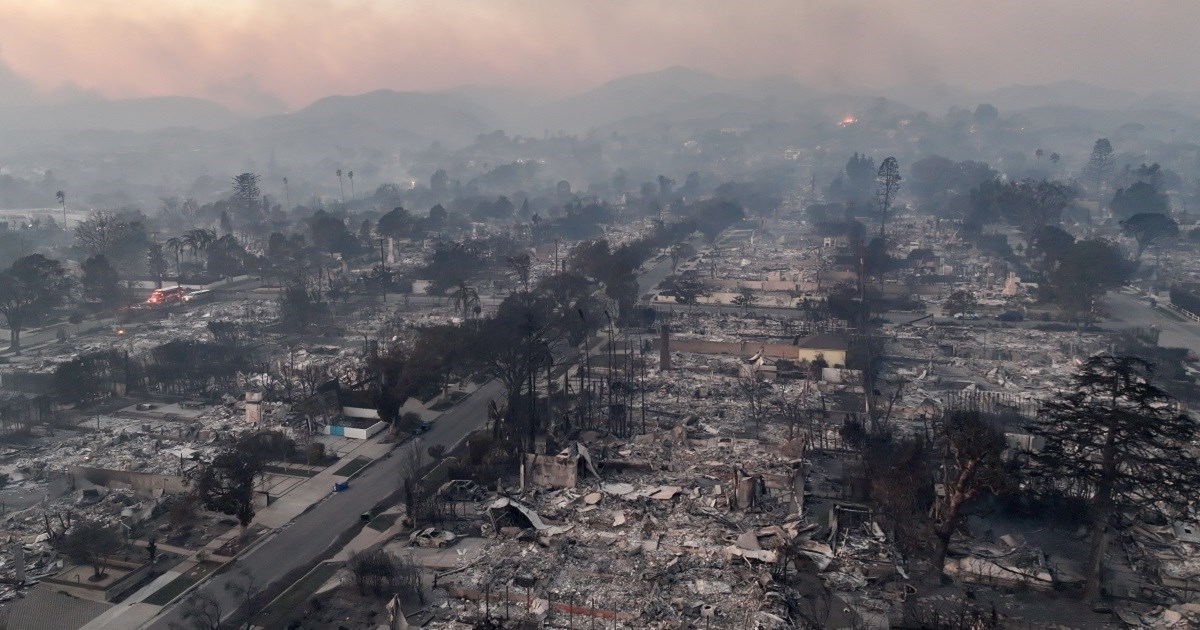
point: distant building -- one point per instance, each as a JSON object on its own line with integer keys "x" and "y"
{"x": 828, "y": 346}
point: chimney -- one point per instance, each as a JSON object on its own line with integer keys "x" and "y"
{"x": 254, "y": 407}
{"x": 664, "y": 349}
{"x": 18, "y": 555}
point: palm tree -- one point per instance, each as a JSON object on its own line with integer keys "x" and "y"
{"x": 341, "y": 186}
{"x": 175, "y": 246}
{"x": 466, "y": 299}
{"x": 198, "y": 240}
{"x": 351, "y": 176}
{"x": 62, "y": 199}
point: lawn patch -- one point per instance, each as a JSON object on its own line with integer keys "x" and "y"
{"x": 382, "y": 522}
{"x": 277, "y": 612}
{"x": 173, "y": 589}
{"x": 353, "y": 466}
{"x": 290, "y": 471}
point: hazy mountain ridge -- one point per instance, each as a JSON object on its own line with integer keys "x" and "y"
{"x": 163, "y": 143}
{"x": 141, "y": 114}
{"x": 379, "y": 115}
{"x": 459, "y": 114}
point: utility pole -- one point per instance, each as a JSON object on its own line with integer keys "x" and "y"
{"x": 383, "y": 270}
{"x": 532, "y": 396}
{"x": 549, "y": 395}
{"x": 609, "y": 371}
{"x": 586, "y": 402}
{"x": 643, "y": 391}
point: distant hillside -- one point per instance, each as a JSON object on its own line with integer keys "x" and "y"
{"x": 1106, "y": 122}
{"x": 1061, "y": 93}
{"x": 142, "y": 114}
{"x": 937, "y": 98}
{"x": 379, "y": 116}
{"x": 669, "y": 90}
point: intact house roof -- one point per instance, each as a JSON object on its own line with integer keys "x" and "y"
{"x": 46, "y": 609}
{"x": 824, "y": 341}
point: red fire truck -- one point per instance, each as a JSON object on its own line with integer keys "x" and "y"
{"x": 165, "y": 297}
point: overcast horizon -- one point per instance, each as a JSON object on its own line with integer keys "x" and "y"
{"x": 219, "y": 50}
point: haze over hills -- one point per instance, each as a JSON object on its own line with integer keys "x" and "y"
{"x": 167, "y": 142}
{"x": 141, "y": 114}
{"x": 459, "y": 114}
{"x": 404, "y": 116}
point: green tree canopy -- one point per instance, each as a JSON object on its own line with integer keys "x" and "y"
{"x": 1139, "y": 198}
{"x": 1148, "y": 228}
{"x": 397, "y": 223}
{"x": 226, "y": 484}
{"x": 1049, "y": 244}
{"x": 100, "y": 281}
{"x": 1088, "y": 270}
{"x": 91, "y": 543}
{"x": 28, "y": 290}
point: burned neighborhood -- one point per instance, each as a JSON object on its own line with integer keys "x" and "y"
{"x": 544, "y": 335}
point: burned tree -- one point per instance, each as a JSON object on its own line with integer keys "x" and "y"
{"x": 92, "y": 544}
{"x": 972, "y": 464}
{"x": 745, "y": 297}
{"x": 959, "y": 303}
{"x": 521, "y": 265}
{"x": 1099, "y": 167}
{"x": 686, "y": 289}
{"x": 1118, "y": 441}
{"x": 247, "y": 592}
{"x": 897, "y": 475}
{"x": 889, "y": 185}
{"x": 57, "y": 524}
{"x": 200, "y": 611}
{"x": 511, "y": 347}
{"x": 792, "y": 406}
{"x": 756, "y": 394}
{"x": 385, "y": 574}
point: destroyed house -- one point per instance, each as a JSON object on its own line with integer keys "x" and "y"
{"x": 359, "y": 417}
{"x": 358, "y": 403}
{"x": 830, "y": 347}
{"x": 563, "y": 470}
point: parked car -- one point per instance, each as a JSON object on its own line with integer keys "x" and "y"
{"x": 1011, "y": 316}
{"x": 969, "y": 316}
{"x": 422, "y": 427}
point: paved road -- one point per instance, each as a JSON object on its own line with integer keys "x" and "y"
{"x": 312, "y": 533}
{"x": 1127, "y": 311}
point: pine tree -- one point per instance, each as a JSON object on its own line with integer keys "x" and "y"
{"x": 1118, "y": 441}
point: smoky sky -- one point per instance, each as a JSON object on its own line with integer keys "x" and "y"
{"x": 264, "y": 54}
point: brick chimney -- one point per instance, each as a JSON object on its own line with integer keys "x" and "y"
{"x": 664, "y": 348}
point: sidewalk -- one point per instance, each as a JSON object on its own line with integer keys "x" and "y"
{"x": 278, "y": 514}
{"x": 134, "y": 612}
{"x": 315, "y": 488}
